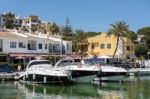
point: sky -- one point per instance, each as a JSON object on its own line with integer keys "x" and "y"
{"x": 89, "y": 15}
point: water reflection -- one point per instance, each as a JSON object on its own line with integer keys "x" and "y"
{"x": 77, "y": 91}
{"x": 62, "y": 92}
{"x": 138, "y": 89}
{"x": 11, "y": 90}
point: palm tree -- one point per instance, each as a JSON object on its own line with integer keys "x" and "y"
{"x": 8, "y": 20}
{"x": 118, "y": 29}
{"x": 80, "y": 40}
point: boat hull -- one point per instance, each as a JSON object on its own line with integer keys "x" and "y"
{"x": 109, "y": 79}
{"x": 36, "y": 78}
{"x": 139, "y": 71}
{"x": 84, "y": 79}
{"x": 80, "y": 76}
{"x": 108, "y": 74}
{"x": 81, "y": 73}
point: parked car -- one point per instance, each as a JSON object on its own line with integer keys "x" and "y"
{"x": 5, "y": 68}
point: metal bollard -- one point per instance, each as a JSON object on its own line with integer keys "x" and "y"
{"x": 33, "y": 77}
{"x": 45, "y": 79}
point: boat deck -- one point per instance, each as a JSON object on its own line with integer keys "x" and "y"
{"x": 139, "y": 71}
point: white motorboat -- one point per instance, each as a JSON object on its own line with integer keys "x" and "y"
{"x": 108, "y": 72}
{"x": 139, "y": 71}
{"x": 80, "y": 71}
{"x": 41, "y": 71}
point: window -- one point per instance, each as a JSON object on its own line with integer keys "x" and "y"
{"x": 1, "y": 45}
{"x": 93, "y": 46}
{"x": 109, "y": 46}
{"x": 65, "y": 63}
{"x": 102, "y": 46}
{"x": 67, "y": 46}
{"x": 32, "y": 45}
{"x": 40, "y": 46}
{"x": 45, "y": 46}
{"x": 39, "y": 63}
{"x": 21, "y": 45}
{"x": 50, "y": 48}
{"x": 12, "y": 44}
{"x": 34, "y": 20}
{"x": 128, "y": 47}
{"x": 20, "y": 21}
{"x": 77, "y": 61}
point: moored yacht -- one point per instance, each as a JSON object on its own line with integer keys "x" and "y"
{"x": 108, "y": 72}
{"x": 41, "y": 71}
{"x": 80, "y": 71}
{"x": 111, "y": 73}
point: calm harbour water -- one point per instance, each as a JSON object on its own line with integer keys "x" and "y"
{"x": 139, "y": 89}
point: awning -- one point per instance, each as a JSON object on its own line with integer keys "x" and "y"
{"x": 39, "y": 57}
{"x": 27, "y": 54}
{"x": 19, "y": 57}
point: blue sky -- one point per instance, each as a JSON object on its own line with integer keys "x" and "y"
{"x": 89, "y": 15}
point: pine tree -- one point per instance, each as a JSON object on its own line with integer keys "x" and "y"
{"x": 67, "y": 31}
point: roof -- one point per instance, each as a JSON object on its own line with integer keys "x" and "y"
{"x": 3, "y": 30}
{"x": 29, "y": 35}
{"x": 17, "y": 34}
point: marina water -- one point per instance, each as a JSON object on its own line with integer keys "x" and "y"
{"x": 139, "y": 88}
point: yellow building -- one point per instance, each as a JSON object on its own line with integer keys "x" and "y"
{"x": 105, "y": 45}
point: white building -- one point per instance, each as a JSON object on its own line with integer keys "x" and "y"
{"x": 30, "y": 22}
{"x": 17, "y": 21}
{"x": 16, "y": 44}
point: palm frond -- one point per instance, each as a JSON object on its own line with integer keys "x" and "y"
{"x": 118, "y": 28}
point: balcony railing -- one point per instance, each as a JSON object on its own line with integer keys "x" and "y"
{"x": 54, "y": 51}
{"x": 32, "y": 49}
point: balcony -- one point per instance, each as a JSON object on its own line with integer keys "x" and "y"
{"x": 31, "y": 47}
{"x": 54, "y": 51}
{"x": 57, "y": 51}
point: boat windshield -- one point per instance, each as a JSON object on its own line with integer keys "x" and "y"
{"x": 69, "y": 62}
{"x": 93, "y": 61}
{"x": 39, "y": 63}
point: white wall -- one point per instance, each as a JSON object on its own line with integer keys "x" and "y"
{"x": 7, "y": 49}
{"x": 68, "y": 51}
{"x": 43, "y": 41}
